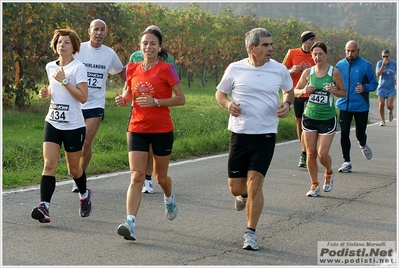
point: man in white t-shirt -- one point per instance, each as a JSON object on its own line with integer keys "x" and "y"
{"x": 255, "y": 108}
{"x": 100, "y": 61}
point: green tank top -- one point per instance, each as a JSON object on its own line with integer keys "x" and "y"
{"x": 320, "y": 105}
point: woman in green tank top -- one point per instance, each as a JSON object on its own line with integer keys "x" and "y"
{"x": 319, "y": 123}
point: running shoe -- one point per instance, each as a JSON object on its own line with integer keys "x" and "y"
{"x": 127, "y": 230}
{"x": 345, "y": 167}
{"x": 85, "y": 204}
{"x": 302, "y": 161}
{"x": 390, "y": 116}
{"x": 382, "y": 124}
{"x": 314, "y": 191}
{"x": 147, "y": 187}
{"x": 41, "y": 213}
{"x": 240, "y": 203}
{"x": 75, "y": 188}
{"x": 328, "y": 182}
{"x": 250, "y": 241}
{"x": 367, "y": 153}
{"x": 171, "y": 208}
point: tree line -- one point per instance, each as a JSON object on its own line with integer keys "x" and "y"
{"x": 368, "y": 18}
{"x": 202, "y": 43}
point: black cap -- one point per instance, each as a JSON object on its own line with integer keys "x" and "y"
{"x": 307, "y": 35}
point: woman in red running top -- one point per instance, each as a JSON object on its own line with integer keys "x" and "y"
{"x": 153, "y": 86}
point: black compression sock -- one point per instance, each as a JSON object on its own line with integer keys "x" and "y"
{"x": 81, "y": 183}
{"x": 47, "y": 187}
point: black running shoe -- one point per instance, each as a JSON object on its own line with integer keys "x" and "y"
{"x": 85, "y": 204}
{"x": 41, "y": 213}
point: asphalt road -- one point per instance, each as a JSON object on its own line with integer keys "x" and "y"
{"x": 208, "y": 230}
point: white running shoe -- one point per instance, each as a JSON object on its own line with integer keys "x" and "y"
{"x": 314, "y": 191}
{"x": 367, "y": 153}
{"x": 240, "y": 202}
{"x": 345, "y": 167}
{"x": 250, "y": 241}
{"x": 147, "y": 187}
{"x": 75, "y": 188}
{"x": 328, "y": 182}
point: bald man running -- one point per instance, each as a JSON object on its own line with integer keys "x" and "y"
{"x": 100, "y": 61}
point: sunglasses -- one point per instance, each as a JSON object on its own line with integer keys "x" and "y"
{"x": 385, "y": 56}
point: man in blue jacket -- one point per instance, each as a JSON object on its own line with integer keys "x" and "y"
{"x": 359, "y": 78}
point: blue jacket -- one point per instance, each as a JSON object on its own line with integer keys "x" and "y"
{"x": 359, "y": 71}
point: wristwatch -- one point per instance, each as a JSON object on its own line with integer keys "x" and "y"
{"x": 289, "y": 104}
{"x": 64, "y": 82}
{"x": 156, "y": 102}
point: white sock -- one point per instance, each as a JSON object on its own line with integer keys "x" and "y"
{"x": 131, "y": 218}
{"x": 47, "y": 204}
{"x": 85, "y": 195}
{"x": 168, "y": 199}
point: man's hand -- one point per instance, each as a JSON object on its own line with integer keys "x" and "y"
{"x": 234, "y": 109}
{"x": 283, "y": 109}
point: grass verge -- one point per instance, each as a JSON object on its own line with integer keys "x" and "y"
{"x": 200, "y": 130}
